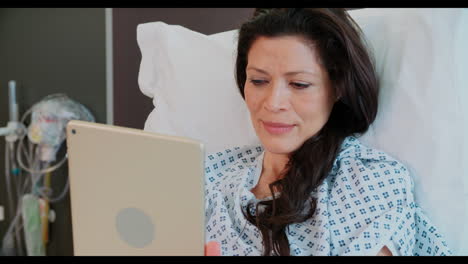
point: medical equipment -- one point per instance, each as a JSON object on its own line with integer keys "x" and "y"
{"x": 12, "y": 132}
{"x": 32, "y": 226}
{"x": 28, "y": 168}
{"x": 12, "y": 126}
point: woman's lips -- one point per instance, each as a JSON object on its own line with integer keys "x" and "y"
{"x": 277, "y": 128}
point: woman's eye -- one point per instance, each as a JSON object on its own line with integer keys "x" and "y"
{"x": 300, "y": 85}
{"x": 257, "y": 82}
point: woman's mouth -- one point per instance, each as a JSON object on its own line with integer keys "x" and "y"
{"x": 277, "y": 128}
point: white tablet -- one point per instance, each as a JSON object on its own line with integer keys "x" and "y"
{"x": 135, "y": 192}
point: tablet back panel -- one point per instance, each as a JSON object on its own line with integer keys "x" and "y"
{"x": 134, "y": 192}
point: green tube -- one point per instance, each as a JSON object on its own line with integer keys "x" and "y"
{"x": 32, "y": 225}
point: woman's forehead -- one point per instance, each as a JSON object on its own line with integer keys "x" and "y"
{"x": 290, "y": 54}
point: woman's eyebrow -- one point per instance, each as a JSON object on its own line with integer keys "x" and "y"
{"x": 302, "y": 72}
{"x": 288, "y": 73}
{"x": 256, "y": 69}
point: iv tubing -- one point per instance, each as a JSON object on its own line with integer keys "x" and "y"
{"x": 37, "y": 171}
{"x": 20, "y": 160}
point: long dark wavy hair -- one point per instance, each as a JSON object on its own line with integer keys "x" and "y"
{"x": 343, "y": 54}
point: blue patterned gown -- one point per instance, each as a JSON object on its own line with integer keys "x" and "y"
{"x": 365, "y": 203}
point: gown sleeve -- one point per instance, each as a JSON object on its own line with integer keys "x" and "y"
{"x": 371, "y": 205}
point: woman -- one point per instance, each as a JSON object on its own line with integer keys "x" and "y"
{"x": 312, "y": 188}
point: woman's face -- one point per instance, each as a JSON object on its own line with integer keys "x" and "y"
{"x": 287, "y": 92}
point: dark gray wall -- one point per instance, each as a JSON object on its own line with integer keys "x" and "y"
{"x": 51, "y": 50}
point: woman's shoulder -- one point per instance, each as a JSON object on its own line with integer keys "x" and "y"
{"x": 245, "y": 154}
{"x": 224, "y": 162}
{"x": 353, "y": 148}
{"x": 369, "y": 169}
{"x": 354, "y": 153}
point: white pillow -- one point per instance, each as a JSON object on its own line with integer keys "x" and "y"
{"x": 422, "y": 64}
{"x": 191, "y": 80}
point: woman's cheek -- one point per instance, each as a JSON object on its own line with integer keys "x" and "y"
{"x": 251, "y": 99}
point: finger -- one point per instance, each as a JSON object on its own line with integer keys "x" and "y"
{"x": 212, "y": 248}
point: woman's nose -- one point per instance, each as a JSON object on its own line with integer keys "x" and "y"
{"x": 276, "y": 97}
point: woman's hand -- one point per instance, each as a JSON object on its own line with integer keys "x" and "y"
{"x": 384, "y": 252}
{"x": 212, "y": 248}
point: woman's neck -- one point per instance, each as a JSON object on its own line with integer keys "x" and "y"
{"x": 274, "y": 165}
{"x": 272, "y": 168}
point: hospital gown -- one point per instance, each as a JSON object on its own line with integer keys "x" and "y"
{"x": 365, "y": 203}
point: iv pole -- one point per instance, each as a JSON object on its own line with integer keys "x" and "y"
{"x": 13, "y": 124}
{"x": 12, "y": 132}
